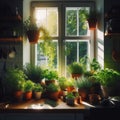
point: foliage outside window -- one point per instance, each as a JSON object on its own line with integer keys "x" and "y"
{"x": 69, "y": 31}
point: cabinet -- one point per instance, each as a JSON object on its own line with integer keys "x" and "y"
{"x": 41, "y": 116}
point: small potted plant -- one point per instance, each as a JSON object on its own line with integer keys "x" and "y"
{"x": 70, "y": 99}
{"x": 31, "y": 30}
{"x": 83, "y": 85}
{"x": 28, "y": 88}
{"x": 92, "y": 20}
{"x": 75, "y": 69}
{"x": 37, "y": 90}
{"x": 70, "y": 85}
{"x": 63, "y": 82}
{"x": 110, "y": 81}
{"x": 15, "y": 79}
{"x": 33, "y": 72}
{"x": 53, "y": 91}
{"x": 50, "y": 76}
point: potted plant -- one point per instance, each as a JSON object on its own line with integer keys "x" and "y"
{"x": 15, "y": 79}
{"x": 70, "y": 85}
{"x": 75, "y": 69}
{"x": 37, "y": 90}
{"x": 92, "y": 20}
{"x": 110, "y": 81}
{"x": 53, "y": 91}
{"x": 70, "y": 99}
{"x": 28, "y": 88}
{"x": 50, "y": 76}
{"x": 94, "y": 67}
{"x": 83, "y": 85}
{"x": 33, "y": 72}
{"x": 31, "y": 30}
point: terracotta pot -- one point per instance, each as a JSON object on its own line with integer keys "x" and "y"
{"x": 70, "y": 88}
{"x": 83, "y": 93}
{"x": 54, "y": 95}
{"x": 92, "y": 23}
{"x": 33, "y": 36}
{"x": 18, "y": 95}
{"x": 75, "y": 76}
{"x": 28, "y": 95}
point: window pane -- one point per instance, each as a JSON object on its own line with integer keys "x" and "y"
{"x": 75, "y": 49}
{"x": 71, "y": 21}
{"x": 83, "y": 49}
{"x": 76, "y": 22}
{"x": 71, "y": 52}
{"x": 43, "y": 60}
{"x": 48, "y": 17}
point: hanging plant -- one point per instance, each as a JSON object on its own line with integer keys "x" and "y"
{"x": 35, "y": 33}
{"x": 92, "y": 20}
{"x": 31, "y": 30}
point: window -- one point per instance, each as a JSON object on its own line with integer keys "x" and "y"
{"x": 67, "y": 25}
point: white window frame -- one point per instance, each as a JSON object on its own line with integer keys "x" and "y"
{"x": 61, "y": 31}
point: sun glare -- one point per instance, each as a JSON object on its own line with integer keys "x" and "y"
{"x": 40, "y": 16}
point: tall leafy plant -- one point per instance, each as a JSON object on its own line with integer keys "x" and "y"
{"x": 108, "y": 77}
{"x": 33, "y": 72}
{"x": 15, "y": 78}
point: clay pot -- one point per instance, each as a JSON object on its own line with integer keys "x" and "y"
{"x": 28, "y": 95}
{"x": 18, "y": 95}
{"x": 54, "y": 95}
{"x": 33, "y": 36}
{"x": 75, "y": 76}
{"x": 92, "y": 23}
{"x": 83, "y": 93}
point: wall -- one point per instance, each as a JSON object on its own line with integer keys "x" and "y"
{"x": 100, "y": 32}
{"x": 8, "y": 8}
{"x": 111, "y": 41}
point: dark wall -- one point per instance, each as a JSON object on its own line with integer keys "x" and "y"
{"x": 9, "y": 6}
{"x": 7, "y": 10}
{"x": 112, "y": 41}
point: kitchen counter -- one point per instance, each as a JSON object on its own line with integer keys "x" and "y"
{"x": 48, "y": 110}
{"x": 46, "y": 104}
{"x": 44, "y": 109}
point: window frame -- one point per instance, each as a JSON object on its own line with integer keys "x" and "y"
{"x": 61, "y": 30}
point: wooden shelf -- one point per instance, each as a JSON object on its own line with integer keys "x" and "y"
{"x": 12, "y": 39}
{"x": 11, "y": 19}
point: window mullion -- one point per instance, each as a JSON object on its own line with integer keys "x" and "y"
{"x": 77, "y": 51}
{"x": 77, "y": 22}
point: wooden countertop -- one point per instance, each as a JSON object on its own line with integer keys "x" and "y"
{"x": 45, "y": 105}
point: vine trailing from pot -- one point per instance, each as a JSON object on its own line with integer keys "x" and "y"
{"x": 46, "y": 46}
